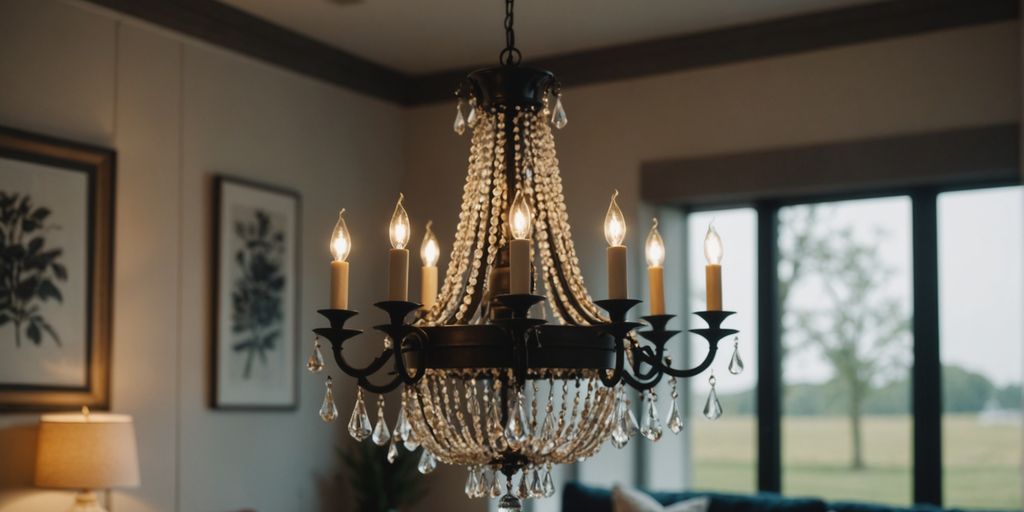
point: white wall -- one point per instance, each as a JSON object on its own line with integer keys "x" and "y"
{"x": 939, "y": 80}
{"x": 177, "y": 112}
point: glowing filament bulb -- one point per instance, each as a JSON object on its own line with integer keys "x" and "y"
{"x": 713, "y": 250}
{"x": 341, "y": 242}
{"x": 654, "y": 247}
{"x": 399, "y": 229}
{"x": 520, "y": 218}
{"x": 614, "y": 223}
{"x": 430, "y": 251}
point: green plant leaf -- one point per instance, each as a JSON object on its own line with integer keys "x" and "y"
{"x": 60, "y": 271}
{"x": 34, "y": 334}
{"x": 48, "y": 290}
{"x": 35, "y": 245}
{"x": 27, "y": 288}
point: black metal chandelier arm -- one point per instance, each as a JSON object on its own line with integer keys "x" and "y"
{"x": 613, "y": 379}
{"x": 338, "y": 337}
{"x": 640, "y": 384}
{"x": 379, "y": 389}
{"x": 407, "y": 339}
{"x": 646, "y": 355}
{"x": 691, "y": 372}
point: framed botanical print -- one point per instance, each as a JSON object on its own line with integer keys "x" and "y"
{"x": 56, "y": 232}
{"x": 256, "y": 291}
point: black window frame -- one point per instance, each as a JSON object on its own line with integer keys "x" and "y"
{"x": 926, "y": 369}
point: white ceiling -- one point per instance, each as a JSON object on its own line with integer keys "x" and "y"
{"x": 418, "y": 36}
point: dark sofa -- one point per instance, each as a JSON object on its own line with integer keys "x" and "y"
{"x": 583, "y": 498}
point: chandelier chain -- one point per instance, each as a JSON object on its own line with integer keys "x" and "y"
{"x": 510, "y": 56}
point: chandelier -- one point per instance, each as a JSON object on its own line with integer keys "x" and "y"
{"x": 511, "y": 367}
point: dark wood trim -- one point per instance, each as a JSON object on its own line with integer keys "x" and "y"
{"x": 946, "y": 158}
{"x": 747, "y": 42}
{"x": 769, "y": 352}
{"x": 237, "y": 30}
{"x": 234, "y": 29}
{"x": 927, "y": 368}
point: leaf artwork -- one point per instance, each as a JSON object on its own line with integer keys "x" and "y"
{"x": 29, "y": 270}
{"x": 256, "y": 296}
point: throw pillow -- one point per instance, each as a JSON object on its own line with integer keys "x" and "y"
{"x": 631, "y": 500}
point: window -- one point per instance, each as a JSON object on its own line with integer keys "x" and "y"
{"x": 981, "y": 240}
{"x": 724, "y": 452}
{"x": 844, "y": 295}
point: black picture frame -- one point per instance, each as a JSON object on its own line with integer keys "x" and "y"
{"x": 221, "y": 396}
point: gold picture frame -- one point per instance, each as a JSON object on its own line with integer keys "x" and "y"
{"x": 79, "y": 287}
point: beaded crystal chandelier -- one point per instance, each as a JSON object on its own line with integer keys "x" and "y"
{"x": 512, "y": 367}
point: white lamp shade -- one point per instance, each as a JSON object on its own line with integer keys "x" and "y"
{"x": 94, "y": 451}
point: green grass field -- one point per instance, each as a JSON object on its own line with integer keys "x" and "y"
{"x": 981, "y": 462}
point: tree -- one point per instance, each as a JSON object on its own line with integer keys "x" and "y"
{"x": 857, "y": 326}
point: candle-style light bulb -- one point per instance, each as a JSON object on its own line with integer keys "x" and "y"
{"x": 520, "y": 218}
{"x": 399, "y": 229}
{"x": 430, "y": 251}
{"x": 614, "y": 223}
{"x": 654, "y": 247}
{"x": 713, "y": 250}
{"x": 341, "y": 242}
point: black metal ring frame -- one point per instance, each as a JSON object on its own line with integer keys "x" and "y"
{"x": 522, "y": 344}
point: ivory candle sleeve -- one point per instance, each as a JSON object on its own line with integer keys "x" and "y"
{"x": 339, "y": 285}
{"x": 656, "y": 281}
{"x": 398, "y": 274}
{"x": 713, "y": 275}
{"x": 617, "y": 272}
{"x": 428, "y": 290}
{"x": 519, "y": 266}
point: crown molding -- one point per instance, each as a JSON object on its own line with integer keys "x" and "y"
{"x": 237, "y": 30}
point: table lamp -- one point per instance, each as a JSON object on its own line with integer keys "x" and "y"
{"x": 86, "y": 452}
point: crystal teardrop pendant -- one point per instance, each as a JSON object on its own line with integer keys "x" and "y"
{"x": 359, "y": 424}
{"x": 632, "y": 429}
{"x": 427, "y": 462}
{"x": 675, "y": 423}
{"x": 495, "y": 489}
{"x": 620, "y": 433}
{"x": 736, "y": 364}
{"x": 523, "y": 491}
{"x": 549, "y": 483}
{"x": 515, "y": 429}
{"x": 650, "y": 426}
{"x": 558, "y": 117}
{"x": 460, "y": 122}
{"x": 482, "y": 484}
{"x": 536, "y": 487}
{"x": 381, "y": 436}
{"x": 712, "y": 408}
{"x": 509, "y": 503}
{"x": 548, "y": 434}
{"x": 328, "y": 411}
{"x": 471, "y": 117}
{"x": 392, "y": 452}
{"x": 315, "y": 363}
{"x": 472, "y": 482}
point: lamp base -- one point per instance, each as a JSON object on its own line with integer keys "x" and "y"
{"x": 86, "y": 501}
